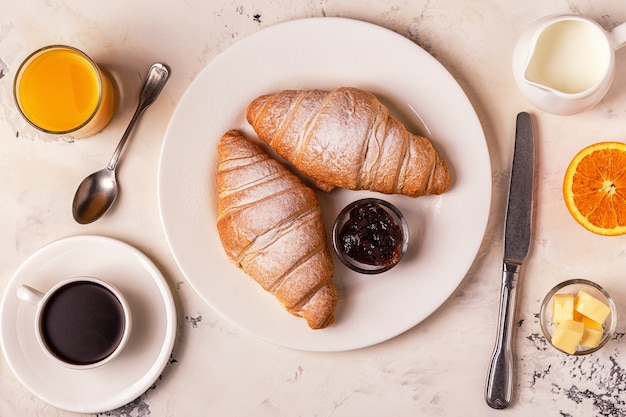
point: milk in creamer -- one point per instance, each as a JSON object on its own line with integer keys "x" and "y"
{"x": 570, "y": 56}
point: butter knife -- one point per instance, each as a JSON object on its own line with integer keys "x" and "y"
{"x": 517, "y": 230}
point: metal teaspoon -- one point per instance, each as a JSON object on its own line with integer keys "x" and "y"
{"x": 98, "y": 191}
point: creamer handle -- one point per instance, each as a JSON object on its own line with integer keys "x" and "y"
{"x": 618, "y": 36}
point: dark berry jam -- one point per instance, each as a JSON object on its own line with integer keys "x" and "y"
{"x": 370, "y": 236}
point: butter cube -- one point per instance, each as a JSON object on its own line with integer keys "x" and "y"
{"x": 591, "y": 307}
{"x": 562, "y": 307}
{"x": 568, "y": 335}
{"x": 577, "y": 316}
{"x": 592, "y": 333}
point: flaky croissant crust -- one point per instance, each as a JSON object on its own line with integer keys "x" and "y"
{"x": 270, "y": 225}
{"x": 347, "y": 138}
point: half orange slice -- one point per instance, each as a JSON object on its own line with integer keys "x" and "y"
{"x": 594, "y": 188}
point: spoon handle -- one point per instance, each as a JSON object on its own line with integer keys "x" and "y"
{"x": 152, "y": 86}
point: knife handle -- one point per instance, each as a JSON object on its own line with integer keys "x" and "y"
{"x": 500, "y": 377}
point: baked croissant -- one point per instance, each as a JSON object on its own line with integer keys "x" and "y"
{"x": 346, "y": 138}
{"x": 270, "y": 225}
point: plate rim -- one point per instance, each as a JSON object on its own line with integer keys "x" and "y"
{"x": 333, "y": 21}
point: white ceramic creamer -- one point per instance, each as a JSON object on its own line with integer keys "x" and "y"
{"x": 565, "y": 64}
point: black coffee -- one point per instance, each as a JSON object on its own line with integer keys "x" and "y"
{"x": 82, "y": 323}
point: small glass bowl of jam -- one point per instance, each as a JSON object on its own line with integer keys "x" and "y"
{"x": 599, "y": 334}
{"x": 370, "y": 236}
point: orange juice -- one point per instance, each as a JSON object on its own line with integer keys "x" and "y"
{"x": 58, "y": 89}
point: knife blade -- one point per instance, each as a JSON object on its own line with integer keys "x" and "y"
{"x": 517, "y": 237}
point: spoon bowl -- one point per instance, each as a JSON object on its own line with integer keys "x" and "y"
{"x": 98, "y": 191}
{"x": 95, "y": 195}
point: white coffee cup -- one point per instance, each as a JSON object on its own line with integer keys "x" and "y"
{"x": 80, "y": 323}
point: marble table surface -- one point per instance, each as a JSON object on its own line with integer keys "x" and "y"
{"x": 437, "y": 368}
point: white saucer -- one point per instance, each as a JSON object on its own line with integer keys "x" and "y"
{"x": 143, "y": 359}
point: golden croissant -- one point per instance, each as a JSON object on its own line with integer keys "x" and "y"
{"x": 270, "y": 225}
{"x": 346, "y": 138}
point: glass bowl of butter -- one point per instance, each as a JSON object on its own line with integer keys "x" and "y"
{"x": 578, "y": 316}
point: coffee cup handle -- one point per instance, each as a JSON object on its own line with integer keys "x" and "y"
{"x": 29, "y": 294}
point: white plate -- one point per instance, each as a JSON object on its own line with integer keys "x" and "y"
{"x": 326, "y": 53}
{"x": 142, "y": 360}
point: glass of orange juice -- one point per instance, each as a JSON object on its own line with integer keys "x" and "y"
{"x": 60, "y": 90}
